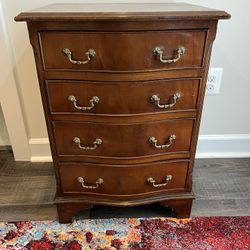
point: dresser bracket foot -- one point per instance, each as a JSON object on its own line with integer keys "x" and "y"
{"x": 181, "y": 207}
{"x": 66, "y": 211}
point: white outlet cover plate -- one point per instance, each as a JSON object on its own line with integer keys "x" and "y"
{"x": 214, "y": 81}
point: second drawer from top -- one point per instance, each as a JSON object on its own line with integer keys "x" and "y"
{"x": 122, "y": 98}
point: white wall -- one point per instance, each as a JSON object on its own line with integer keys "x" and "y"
{"x": 225, "y": 116}
{"x": 4, "y": 137}
{"x": 9, "y": 96}
{"x": 229, "y": 113}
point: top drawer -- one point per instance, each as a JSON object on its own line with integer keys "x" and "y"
{"x": 122, "y": 51}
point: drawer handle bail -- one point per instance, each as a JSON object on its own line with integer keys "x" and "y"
{"x": 154, "y": 141}
{"x": 171, "y": 102}
{"x": 90, "y": 54}
{"x": 179, "y": 53}
{"x": 152, "y": 181}
{"x": 93, "y": 101}
{"x": 96, "y": 143}
{"x": 97, "y": 183}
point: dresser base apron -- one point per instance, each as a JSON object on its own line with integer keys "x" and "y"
{"x": 67, "y": 208}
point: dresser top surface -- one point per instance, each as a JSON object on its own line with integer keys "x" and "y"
{"x": 121, "y": 11}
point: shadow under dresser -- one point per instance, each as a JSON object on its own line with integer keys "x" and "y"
{"x": 122, "y": 87}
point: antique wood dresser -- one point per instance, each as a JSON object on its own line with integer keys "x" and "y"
{"x": 122, "y": 87}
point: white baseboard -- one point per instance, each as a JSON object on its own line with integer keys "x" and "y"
{"x": 209, "y": 146}
{"x": 223, "y": 146}
{"x": 40, "y": 150}
{"x": 4, "y": 142}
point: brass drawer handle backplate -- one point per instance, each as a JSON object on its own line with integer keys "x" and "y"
{"x": 97, "y": 183}
{"x": 153, "y": 141}
{"x": 172, "y": 101}
{"x": 152, "y": 181}
{"x": 96, "y": 143}
{"x": 179, "y": 53}
{"x": 90, "y": 54}
{"x": 93, "y": 101}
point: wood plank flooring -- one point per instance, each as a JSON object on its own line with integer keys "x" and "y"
{"x": 221, "y": 187}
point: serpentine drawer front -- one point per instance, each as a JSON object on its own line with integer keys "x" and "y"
{"x": 125, "y": 180}
{"x": 122, "y": 87}
{"x": 126, "y": 51}
{"x": 129, "y": 98}
{"x": 123, "y": 140}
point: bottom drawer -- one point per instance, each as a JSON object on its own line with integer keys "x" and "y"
{"x": 140, "y": 179}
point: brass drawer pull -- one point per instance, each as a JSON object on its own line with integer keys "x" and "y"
{"x": 153, "y": 141}
{"x": 172, "y": 101}
{"x": 153, "y": 182}
{"x": 97, "y": 142}
{"x": 90, "y": 54}
{"x": 179, "y": 53}
{"x": 93, "y": 101}
{"x": 97, "y": 183}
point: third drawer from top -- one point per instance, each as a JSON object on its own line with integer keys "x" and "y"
{"x": 102, "y": 140}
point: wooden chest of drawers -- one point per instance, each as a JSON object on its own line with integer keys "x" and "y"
{"x": 122, "y": 88}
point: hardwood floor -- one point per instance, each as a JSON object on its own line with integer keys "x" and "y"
{"x": 221, "y": 187}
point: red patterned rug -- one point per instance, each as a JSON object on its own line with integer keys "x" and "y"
{"x": 147, "y": 234}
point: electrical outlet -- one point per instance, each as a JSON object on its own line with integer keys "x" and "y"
{"x": 214, "y": 81}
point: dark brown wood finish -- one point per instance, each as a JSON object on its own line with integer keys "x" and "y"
{"x": 124, "y": 181}
{"x": 123, "y": 101}
{"x": 123, "y": 140}
{"x": 181, "y": 207}
{"x": 122, "y": 11}
{"x": 19, "y": 202}
{"x": 66, "y": 211}
{"x": 124, "y": 73}
{"x": 122, "y": 51}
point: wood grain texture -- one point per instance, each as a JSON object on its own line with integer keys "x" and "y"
{"x": 24, "y": 212}
{"x": 232, "y": 180}
{"x": 122, "y": 11}
{"x": 122, "y": 140}
{"x": 130, "y": 98}
{"x": 67, "y": 211}
{"x": 25, "y": 183}
{"x": 234, "y": 200}
{"x": 124, "y": 181}
{"x": 121, "y": 51}
{"x": 181, "y": 208}
{"x": 123, "y": 42}
{"x": 221, "y": 187}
